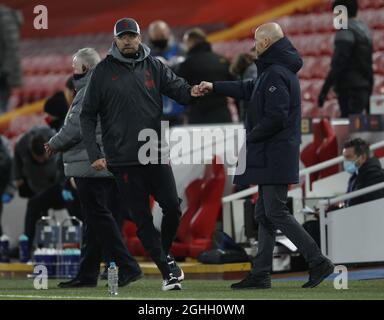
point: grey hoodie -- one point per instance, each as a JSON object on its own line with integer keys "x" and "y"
{"x": 69, "y": 139}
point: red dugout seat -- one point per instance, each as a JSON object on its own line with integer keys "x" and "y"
{"x": 324, "y": 147}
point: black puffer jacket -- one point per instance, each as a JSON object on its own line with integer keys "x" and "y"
{"x": 351, "y": 66}
{"x": 127, "y": 95}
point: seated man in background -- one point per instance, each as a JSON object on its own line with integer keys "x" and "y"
{"x": 39, "y": 178}
{"x": 365, "y": 170}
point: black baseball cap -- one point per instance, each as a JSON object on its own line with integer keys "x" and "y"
{"x": 126, "y": 25}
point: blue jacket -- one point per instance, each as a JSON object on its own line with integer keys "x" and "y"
{"x": 273, "y": 121}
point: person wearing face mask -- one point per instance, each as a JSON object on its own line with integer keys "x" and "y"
{"x": 162, "y": 43}
{"x": 365, "y": 170}
{"x": 96, "y": 189}
{"x": 163, "y": 46}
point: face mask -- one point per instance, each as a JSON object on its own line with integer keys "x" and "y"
{"x": 77, "y": 76}
{"x": 161, "y": 44}
{"x": 350, "y": 166}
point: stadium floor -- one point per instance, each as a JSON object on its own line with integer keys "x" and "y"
{"x": 22, "y": 289}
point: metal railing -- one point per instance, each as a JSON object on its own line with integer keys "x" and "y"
{"x": 324, "y": 203}
{"x": 303, "y": 173}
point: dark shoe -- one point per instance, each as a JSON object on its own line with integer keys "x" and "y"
{"x": 252, "y": 281}
{"x": 172, "y": 283}
{"x": 125, "y": 279}
{"x": 175, "y": 269}
{"x": 319, "y": 273}
{"x": 76, "y": 283}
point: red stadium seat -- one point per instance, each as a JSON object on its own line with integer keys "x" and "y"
{"x": 378, "y": 87}
{"x": 204, "y": 221}
{"x": 196, "y": 230}
{"x": 184, "y": 236}
{"x": 378, "y": 63}
{"x": 328, "y": 149}
{"x": 198, "y": 220}
{"x": 378, "y": 40}
{"x": 374, "y": 18}
{"x": 323, "y": 147}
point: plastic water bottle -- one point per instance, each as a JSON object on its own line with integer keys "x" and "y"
{"x": 4, "y": 248}
{"x": 113, "y": 279}
{"x": 23, "y": 248}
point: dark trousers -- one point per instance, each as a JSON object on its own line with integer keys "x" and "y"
{"x": 136, "y": 184}
{"x": 5, "y": 92}
{"x": 39, "y": 204}
{"x": 353, "y": 101}
{"x": 101, "y": 231}
{"x": 271, "y": 212}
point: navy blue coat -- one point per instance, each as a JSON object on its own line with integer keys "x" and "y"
{"x": 273, "y": 121}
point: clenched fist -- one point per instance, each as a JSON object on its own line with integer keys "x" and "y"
{"x": 205, "y": 87}
{"x": 100, "y": 164}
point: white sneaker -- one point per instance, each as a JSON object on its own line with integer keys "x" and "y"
{"x": 172, "y": 283}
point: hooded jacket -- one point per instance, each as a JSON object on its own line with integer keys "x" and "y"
{"x": 127, "y": 94}
{"x": 351, "y": 66}
{"x": 273, "y": 117}
{"x": 69, "y": 139}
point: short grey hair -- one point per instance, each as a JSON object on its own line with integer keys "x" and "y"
{"x": 88, "y": 57}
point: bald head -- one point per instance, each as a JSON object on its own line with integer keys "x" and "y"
{"x": 266, "y": 35}
{"x": 159, "y": 30}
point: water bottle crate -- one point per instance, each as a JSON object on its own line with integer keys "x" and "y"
{"x": 58, "y": 246}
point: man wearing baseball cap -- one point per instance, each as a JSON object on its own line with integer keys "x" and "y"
{"x": 125, "y": 91}
{"x": 126, "y": 25}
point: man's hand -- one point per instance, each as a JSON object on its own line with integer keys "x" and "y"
{"x": 195, "y": 92}
{"x": 100, "y": 164}
{"x": 205, "y": 87}
{"x": 48, "y": 149}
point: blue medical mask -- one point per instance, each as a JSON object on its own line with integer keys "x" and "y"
{"x": 350, "y": 166}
